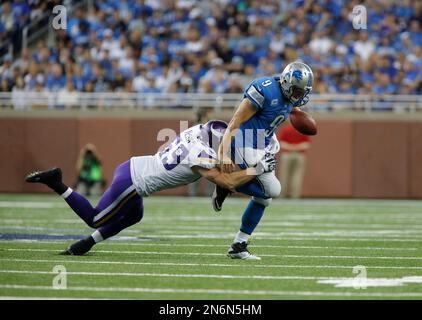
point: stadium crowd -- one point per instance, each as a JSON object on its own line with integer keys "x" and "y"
{"x": 219, "y": 46}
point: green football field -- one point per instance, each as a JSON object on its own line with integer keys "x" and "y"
{"x": 310, "y": 249}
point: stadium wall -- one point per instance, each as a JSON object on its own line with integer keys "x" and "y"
{"x": 348, "y": 158}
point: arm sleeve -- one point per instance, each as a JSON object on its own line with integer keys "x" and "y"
{"x": 255, "y": 94}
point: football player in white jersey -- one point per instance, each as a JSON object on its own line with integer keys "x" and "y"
{"x": 189, "y": 157}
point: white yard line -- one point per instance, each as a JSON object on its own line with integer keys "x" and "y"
{"x": 244, "y": 264}
{"x": 285, "y": 203}
{"x": 176, "y": 275}
{"x": 309, "y": 218}
{"x": 45, "y": 298}
{"x": 140, "y": 243}
{"x": 258, "y": 236}
{"x": 386, "y": 234}
{"x": 217, "y": 291}
{"x": 217, "y": 223}
{"x": 300, "y": 231}
{"x": 234, "y": 200}
{"x": 343, "y": 233}
{"x": 265, "y": 226}
{"x": 222, "y": 254}
{"x": 32, "y": 204}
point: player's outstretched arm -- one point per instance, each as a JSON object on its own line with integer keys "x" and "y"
{"x": 244, "y": 112}
{"x": 227, "y": 180}
{"x": 238, "y": 178}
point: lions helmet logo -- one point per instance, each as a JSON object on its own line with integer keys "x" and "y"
{"x": 297, "y": 74}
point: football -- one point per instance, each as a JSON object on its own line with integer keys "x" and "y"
{"x": 303, "y": 122}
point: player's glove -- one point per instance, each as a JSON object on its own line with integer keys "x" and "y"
{"x": 266, "y": 164}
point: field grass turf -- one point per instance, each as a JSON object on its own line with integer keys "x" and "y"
{"x": 178, "y": 251}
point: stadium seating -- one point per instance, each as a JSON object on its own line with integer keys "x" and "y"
{"x": 217, "y": 46}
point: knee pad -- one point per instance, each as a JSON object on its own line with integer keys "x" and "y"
{"x": 274, "y": 190}
{"x": 271, "y": 185}
{"x": 264, "y": 202}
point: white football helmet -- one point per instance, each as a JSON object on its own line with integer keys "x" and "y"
{"x": 296, "y": 83}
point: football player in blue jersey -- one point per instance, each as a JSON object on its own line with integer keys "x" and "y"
{"x": 267, "y": 102}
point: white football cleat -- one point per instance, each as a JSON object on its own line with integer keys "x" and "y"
{"x": 239, "y": 250}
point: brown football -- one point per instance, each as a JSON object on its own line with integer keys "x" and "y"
{"x": 303, "y": 122}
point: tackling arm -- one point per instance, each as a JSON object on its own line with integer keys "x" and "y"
{"x": 227, "y": 180}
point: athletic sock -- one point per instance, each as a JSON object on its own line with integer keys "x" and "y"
{"x": 66, "y": 193}
{"x": 90, "y": 240}
{"x": 251, "y": 217}
{"x": 96, "y": 236}
{"x": 241, "y": 237}
{"x": 58, "y": 187}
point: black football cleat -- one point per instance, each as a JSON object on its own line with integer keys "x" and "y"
{"x": 79, "y": 248}
{"x": 49, "y": 177}
{"x": 218, "y": 196}
{"x": 239, "y": 250}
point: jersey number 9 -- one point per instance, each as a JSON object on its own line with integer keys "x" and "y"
{"x": 274, "y": 125}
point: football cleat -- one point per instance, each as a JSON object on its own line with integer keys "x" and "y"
{"x": 49, "y": 177}
{"x": 79, "y": 248}
{"x": 239, "y": 250}
{"x": 218, "y": 196}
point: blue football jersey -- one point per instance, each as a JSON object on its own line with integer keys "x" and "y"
{"x": 272, "y": 110}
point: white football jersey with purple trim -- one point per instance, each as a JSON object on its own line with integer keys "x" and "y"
{"x": 171, "y": 167}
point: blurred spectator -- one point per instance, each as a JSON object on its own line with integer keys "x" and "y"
{"x": 8, "y": 18}
{"x": 196, "y": 46}
{"x": 55, "y": 78}
{"x": 18, "y": 95}
{"x": 293, "y": 155}
{"x": 6, "y": 70}
{"x": 67, "y": 97}
{"x": 364, "y": 46}
{"x": 89, "y": 169}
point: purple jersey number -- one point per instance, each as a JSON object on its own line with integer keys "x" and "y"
{"x": 174, "y": 154}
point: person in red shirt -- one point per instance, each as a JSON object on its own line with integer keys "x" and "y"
{"x": 293, "y": 154}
